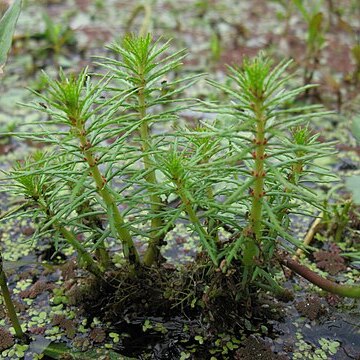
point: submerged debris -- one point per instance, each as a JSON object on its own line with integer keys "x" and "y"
{"x": 6, "y": 339}
{"x": 312, "y": 307}
{"x": 256, "y": 348}
{"x": 170, "y": 311}
{"x": 97, "y": 335}
{"x": 330, "y": 261}
{"x": 36, "y": 289}
{"x": 69, "y": 326}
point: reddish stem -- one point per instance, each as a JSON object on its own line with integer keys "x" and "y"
{"x": 352, "y": 291}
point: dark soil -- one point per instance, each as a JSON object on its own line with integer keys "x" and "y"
{"x": 179, "y": 305}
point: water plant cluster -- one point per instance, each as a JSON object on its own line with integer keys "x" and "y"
{"x": 242, "y": 172}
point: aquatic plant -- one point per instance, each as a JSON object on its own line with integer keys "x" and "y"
{"x": 315, "y": 37}
{"x": 262, "y": 155}
{"x": 8, "y": 302}
{"x": 7, "y": 28}
{"x": 111, "y": 176}
{"x": 77, "y": 104}
{"x": 56, "y": 35}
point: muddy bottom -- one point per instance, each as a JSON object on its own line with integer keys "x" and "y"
{"x": 198, "y": 313}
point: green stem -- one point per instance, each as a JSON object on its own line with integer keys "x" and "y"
{"x": 152, "y": 253}
{"x": 9, "y": 304}
{"x": 342, "y": 221}
{"x": 125, "y": 237}
{"x": 102, "y": 255}
{"x": 339, "y": 232}
{"x": 146, "y": 19}
{"x": 204, "y": 237}
{"x": 254, "y": 231}
{"x": 71, "y": 239}
{"x": 89, "y": 262}
{"x": 258, "y": 173}
{"x": 211, "y": 228}
{"x": 94, "y": 222}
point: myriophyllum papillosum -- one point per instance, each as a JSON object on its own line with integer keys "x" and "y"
{"x": 109, "y": 176}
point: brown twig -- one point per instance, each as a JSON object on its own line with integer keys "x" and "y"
{"x": 352, "y": 291}
{"x": 309, "y": 235}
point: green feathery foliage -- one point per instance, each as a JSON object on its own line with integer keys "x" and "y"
{"x": 255, "y": 173}
{"x": 79, "y": 176}
{"x": 140, "y": 73}
{"x": 117, "y": 163}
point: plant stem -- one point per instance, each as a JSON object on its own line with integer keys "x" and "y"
{"x": 90, "y": 264}
{"x": 254, "y": 231}
{"x": 152, "y": 253}
{"x": 204, "y": 237}
{"x": 342, "y": 220}
{"x": 211, "y": 227}
{"x": 125, "y": 237}
{"x": 94, "y": 222}
{"x": 146, "y": 19}
{"x": 309, "y": 235}
{"x": 9, "y": 304}
{"x": 258, "y": 172}
{"x": 352, "y": 291}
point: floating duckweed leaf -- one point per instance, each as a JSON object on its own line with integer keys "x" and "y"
{"x": 68, "y": 325}
{"x": 38, "y": 288}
